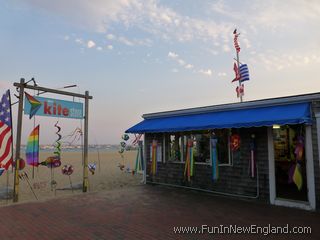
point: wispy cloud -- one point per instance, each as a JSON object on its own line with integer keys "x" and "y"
{"x": 184, "y": 64}
{"x": 91, "y": 44}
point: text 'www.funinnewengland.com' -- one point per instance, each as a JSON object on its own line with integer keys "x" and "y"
{"x": 236, "y": 229}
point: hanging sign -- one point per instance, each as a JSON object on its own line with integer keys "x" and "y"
{"x": 50, "y": 107}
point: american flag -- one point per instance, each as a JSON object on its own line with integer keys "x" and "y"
{"x": 5, "y": 131}
{"x": 235, "y": 40}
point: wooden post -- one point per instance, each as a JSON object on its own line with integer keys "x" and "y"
{"x": 86, "y": 145}
{"x": 18, "y": 143}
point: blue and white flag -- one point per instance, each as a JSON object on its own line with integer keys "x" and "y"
{"x": 244, "y": 73}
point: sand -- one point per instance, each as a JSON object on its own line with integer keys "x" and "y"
{"x": 108, "y": 176}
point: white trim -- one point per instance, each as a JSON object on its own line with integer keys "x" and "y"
{"x": 272, "y": 180}
{"x": 292, "y": 203}
{"x": 164, "y": 155}
{"x": 310, "y": 168}
{"x": 317, "y": 115}
{"x": 144, "y": 147}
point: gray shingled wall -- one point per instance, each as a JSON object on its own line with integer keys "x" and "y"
{"x": 233, "y": 179}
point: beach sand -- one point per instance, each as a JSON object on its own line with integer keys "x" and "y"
{"x": 107, "y": 176}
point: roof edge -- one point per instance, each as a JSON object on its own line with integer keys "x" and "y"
{"x": 236, "y": 106}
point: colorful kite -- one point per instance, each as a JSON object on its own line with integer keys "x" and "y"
{"x": 214, "y": 158}
{"x": 32, "y": 152}
{"x": 188, "y": 169}
{"x": 35, "y": 105}
{"x": 153, "y": 170}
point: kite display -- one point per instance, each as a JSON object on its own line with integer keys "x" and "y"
{"x": 52, "y": 162}
{"x": 6, "y": 153}
{"x": 67, "y": 170}
{"x": 32, "y": 151}
{"x": 297, "y": 176}
{"x": 252, "y": 163}
{"x": 189, "y": 165}
{"x": 35, "y": 105}
{"x": 92, "y": 167}
{"x": 57, "y": 152}
{"x": 240, "y": 91}
{"x": 137, "y": 139}
{"x": 234, "y": 142}
{"x": 139, "y": 158}
{"x": 153, "y": 170}
{"x": 244, "y": 73}
{"x": 214, "y": 158}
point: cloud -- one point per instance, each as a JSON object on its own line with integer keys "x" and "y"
{"x": 110, "y": 36}
{"x": 172, "y": 55}
{"x": 222, "y": 74}
{"x": 125, "y": 41}
{"x": 66, "y": 38}
{"x": 110, "y": 47}
{"x": 99, "y": 48}
{"x": 188, "y": 66}
{"x": 91, "y": 44}
{"x": 207, "y": 72}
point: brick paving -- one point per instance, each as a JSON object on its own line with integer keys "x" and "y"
{"x": 145, "y": 212}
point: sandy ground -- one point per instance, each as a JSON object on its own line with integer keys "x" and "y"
{"x": 108, "y": 176}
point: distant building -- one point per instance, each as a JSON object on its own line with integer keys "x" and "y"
{"x": 276, "y": 161}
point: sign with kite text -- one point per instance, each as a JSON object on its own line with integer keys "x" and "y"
{"x": 50, "y": 107}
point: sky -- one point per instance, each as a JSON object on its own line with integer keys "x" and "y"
{"x": 142, "y": 56}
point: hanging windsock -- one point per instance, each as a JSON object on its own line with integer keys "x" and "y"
{"x": 252, "y": 163}
{"x": 214, "y": 158}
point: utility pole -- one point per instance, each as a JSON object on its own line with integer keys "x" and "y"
{"x": 86, "y": 145}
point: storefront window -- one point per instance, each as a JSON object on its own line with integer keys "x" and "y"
{"x": 223, "y": 146}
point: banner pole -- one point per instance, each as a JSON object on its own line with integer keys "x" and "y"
{"x": 18, "y": 142}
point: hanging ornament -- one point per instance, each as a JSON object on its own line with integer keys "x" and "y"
{"x": 299, "y": 149}
{"x": 125, "y": 137}
{"x": 92, "y": 167}
{"x": 58, "y": 143}
{"x": 22, "y": 164}
{"x": 123, "y": 144}
{"x": 67, "y": 169}
{"x": 235, "y": 142}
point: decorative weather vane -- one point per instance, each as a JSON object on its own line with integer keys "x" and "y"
{"x": 241, "y": 70}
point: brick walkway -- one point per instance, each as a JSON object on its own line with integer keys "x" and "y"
{"x": 144, "y": 212}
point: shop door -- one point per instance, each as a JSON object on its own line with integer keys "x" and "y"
{"x": 290, "y": 162}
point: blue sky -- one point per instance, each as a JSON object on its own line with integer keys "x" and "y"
{"x": 139, "y": 56}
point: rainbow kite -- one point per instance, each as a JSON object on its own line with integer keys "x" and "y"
{"x": 35, "y": 105}
{"x": 188, "y": 169}
{"x": 32, "y": 152}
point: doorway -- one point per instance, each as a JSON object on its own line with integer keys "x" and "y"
{"x": 290, "y": 162}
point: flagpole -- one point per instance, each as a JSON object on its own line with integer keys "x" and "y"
{"x": 238, "y": 64}
{"x": 18, "y": 142}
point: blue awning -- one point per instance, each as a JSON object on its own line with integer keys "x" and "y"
{"x": 253, "y": 117}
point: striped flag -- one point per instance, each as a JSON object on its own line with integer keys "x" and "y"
{"x": 236, "y": 72}
{"x": 244, "y": 73}
{"x": 235, "y": 40}
{"x": 6, "y": 154}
